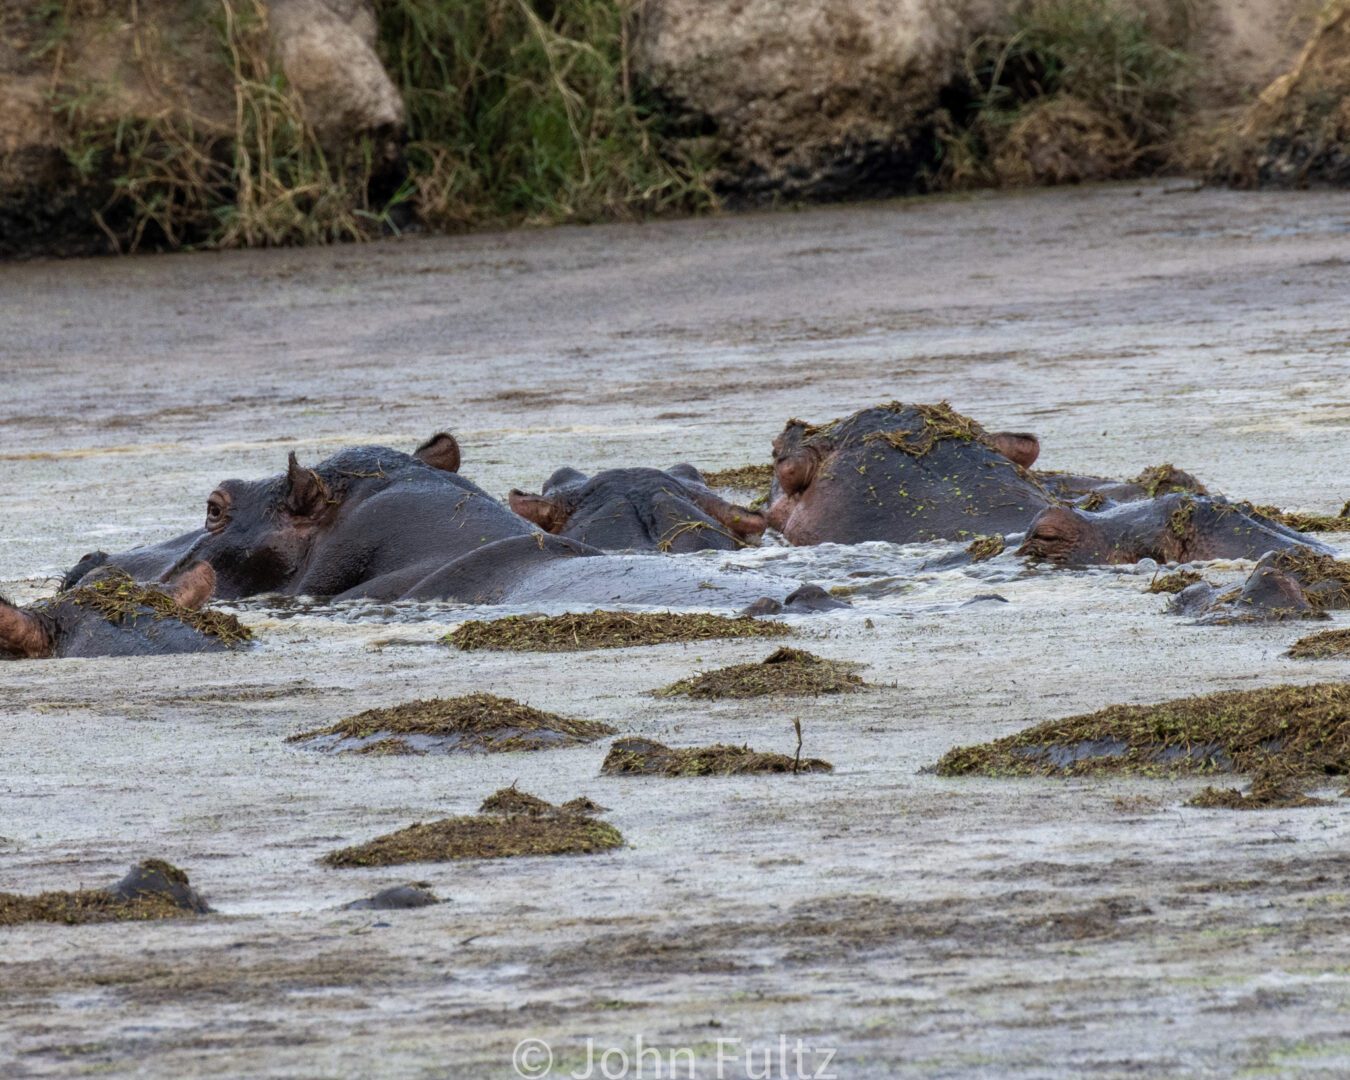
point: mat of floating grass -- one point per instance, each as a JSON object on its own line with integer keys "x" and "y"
{"x": 475, "y": 723}
{"x": 122, "y": 903}
{"x": 606, "y": 630}
{"x": 1308, "y": 523}
{"x": 508, "y": 824}
{"x": 786, "y": 671}
{"x": 1265, "y": 793}
{"x": 1322, "y": 646}
{"x": 646, "y": 757}
{"x": 1174, "y": 582}
{"x": 742, "y": 478}
{"x": 1285, "y": 730}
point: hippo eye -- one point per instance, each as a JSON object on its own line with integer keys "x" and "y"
{"x": 217, "y": 508}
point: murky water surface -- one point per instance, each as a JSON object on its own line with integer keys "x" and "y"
{"x": 921, "y": 926}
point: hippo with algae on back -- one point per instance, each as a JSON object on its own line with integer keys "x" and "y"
{"x": 109, "y": 614}
{"x": 372, "y": 522}
{"x": 902, "y": 473}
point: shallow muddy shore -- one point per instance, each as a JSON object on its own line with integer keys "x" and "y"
{"x": 919, "y": 926}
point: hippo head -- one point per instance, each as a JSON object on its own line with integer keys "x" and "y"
{"x": 1067, "y": 537}
{"x": 639, "y": 509}
{"x": 76, "y": 622}
{"x": 901, "y": 473}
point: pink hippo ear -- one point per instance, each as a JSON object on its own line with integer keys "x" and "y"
{"x": 194, "y": 587}
{"x": 306, "y": 493}
{"x": 23, "y": 634}
{"x": 1020, "y": 447}
{"x": 441, "y": 451}
{"x": 549, "y": 514}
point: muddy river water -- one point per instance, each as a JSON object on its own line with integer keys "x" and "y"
{"x": 883, "y": 921}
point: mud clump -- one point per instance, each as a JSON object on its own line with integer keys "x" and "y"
{"x": 120, "y": 600}
{"x": 154, "y": 889}
{"x": 1279, "y": 730}
{"x": 1325, "y": 645}
{"x": 475, "y": 723}
{"x": 1174, "y": 582}
{"x": 788, "y": 672}
{"x": 508, "y": 824}
{"x": 983, "y": 548}
{"x": 645, "y": 757}
{"x": 605, "y": 630}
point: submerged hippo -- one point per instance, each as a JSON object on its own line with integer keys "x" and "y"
{"x": 376, "y": 523}
{"x": 109, "y": 614}
{"x": 1169, "y": 529}
{"x": 902, "y": 473}
{"x": 639, "y": 510}
{"x": 1291, "y": 584}
{"x": 1095, "y": 492}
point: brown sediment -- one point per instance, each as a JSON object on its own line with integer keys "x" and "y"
{"x": 1322, "y": 646}
{"x": 119, "y": 599}
{"x": 509, "y": 823}
{"x": 645, "y": 757}
{"x": 1281, "y": 730}
{"x": 474, "y": 723}
{"x": 1307, "y": 523}
{"x": 1325, "y": 580}
{"x": 605, "y": 630}
{"x": 985, "y": 547}
{"x": 940, "y": 422}
{"x": 1166, "y": 479}
{"x": 1174, "y": 582}
{"x": 786, "y": 671}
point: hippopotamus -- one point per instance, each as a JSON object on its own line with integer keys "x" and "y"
{"x": 372, "y": 522}
{"x": 108, "y": 614}
{"x": 1293, "y": 584}
{"x": 639, "y": 510}
{"x": 1095, "y": 492}
{"x": 903, "y": 473}
{"x": 1172, "y": 528}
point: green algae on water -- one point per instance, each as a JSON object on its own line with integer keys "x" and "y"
{"x": 509, "y": 823}
{"x": 605, "y": 630}
{"x": 474, "y": 723}
{"x": 1325, "y": 645}
{"x": 1282, "y": 730}
{"x": 646, "y": 757}
{"x": 786, "y": 671}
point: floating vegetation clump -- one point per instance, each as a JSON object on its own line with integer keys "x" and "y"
{"x": 1174, "y": 582}
{"x": 787, "y": 671}
{"x": 742, "y": 478}
{"x": 1284, "y": 730}
{"x": 475, "y": 723}
{"x": 153, "y": 890}
{"x": 119, "y": 599}
{"x": 983, "y": 548}
{"x": 510, "y": 823}
{"x": 1093, "y": 501}
{"x": 1167, "y": 479}
{"x": 1325, "y": 580}
{"x": 1267, "y": 792}
{"x": 938, "y": 422}
{"x": 645, "y": 757}
{"x": 605, "y": 630}
{"x": 1307, "y": 523}
{"x": 1322, "y": 646}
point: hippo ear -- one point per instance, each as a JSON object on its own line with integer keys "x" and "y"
{"x": 685, "y": 471}
{"x": 743, "y": 522}
{"x": 441, "y": 451}
{"x": 23, "y": 634}
{"x": 194, "y": 586}
{"x": 564, "y": 477}
{"x": 1019, "y": 447}
{"x": 549, "y": 514}
{"x": 306, "y": 493}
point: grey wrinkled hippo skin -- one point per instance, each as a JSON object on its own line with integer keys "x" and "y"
{"x": 639, "y": 509}
{"x": 65, "y": 626}
{"x": 155, "y": 877}
{"x": 374, "y": 523}
{"x": 1174, "y": 528}
{"x": 902, "y": 473}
